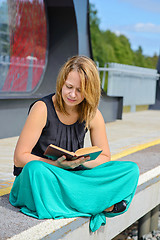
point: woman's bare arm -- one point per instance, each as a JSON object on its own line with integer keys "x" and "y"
{"x": 99, "y": 138}
{"x": 29, "y": 136}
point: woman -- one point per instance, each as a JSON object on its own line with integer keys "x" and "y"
{"x": 44, "y": 188}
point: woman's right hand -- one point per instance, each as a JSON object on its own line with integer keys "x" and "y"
{"x": 62, "y": 162}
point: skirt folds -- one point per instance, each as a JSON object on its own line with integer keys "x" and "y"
{"x": 44, "y": 191}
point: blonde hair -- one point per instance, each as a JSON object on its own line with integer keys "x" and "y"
{"x": 90, "y": 86}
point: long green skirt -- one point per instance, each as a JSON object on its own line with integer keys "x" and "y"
{"x": 44, "y": 191}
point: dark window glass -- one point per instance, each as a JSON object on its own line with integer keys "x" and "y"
{"x": 23, "y": 41}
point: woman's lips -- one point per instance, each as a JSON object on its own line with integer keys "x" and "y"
{"x": 71, "y": 100}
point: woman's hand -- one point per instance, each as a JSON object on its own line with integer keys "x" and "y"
{"x": 62, "y": 162}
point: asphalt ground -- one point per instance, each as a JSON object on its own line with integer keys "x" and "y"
{"x": 147, "y": 159}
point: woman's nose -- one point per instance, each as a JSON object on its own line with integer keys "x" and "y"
{"x": 73, "y": 93}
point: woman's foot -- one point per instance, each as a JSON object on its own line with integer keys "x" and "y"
{"x": 109, "y": 209}
{"x": 117, "y": 208}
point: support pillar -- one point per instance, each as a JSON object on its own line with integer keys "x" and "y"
{"x": 144, "y": 225}
{"x": 154, "y": 219}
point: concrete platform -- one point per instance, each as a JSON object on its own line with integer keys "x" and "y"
{"x": 135, "y": 138}
{"x": 20, "y": 226}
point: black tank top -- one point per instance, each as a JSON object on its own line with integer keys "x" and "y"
{"x": 69, "y": 137}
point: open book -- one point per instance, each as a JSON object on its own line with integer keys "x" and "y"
{"x": 53, "y": 152}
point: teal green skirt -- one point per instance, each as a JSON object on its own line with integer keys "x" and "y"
{"x": 44, "y": 191}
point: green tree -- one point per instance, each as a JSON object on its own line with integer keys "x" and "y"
{"x": 108, "y": 47}
{"x": 96, "y": 37}
{"x": 139, "y": 58}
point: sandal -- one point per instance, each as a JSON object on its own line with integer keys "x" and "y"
{"x": 119, "y": 207}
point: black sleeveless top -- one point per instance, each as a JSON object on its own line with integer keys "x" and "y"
{"x": 69, "y": 137}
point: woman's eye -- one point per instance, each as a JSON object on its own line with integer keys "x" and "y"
{"x": 79, "y": 90}
{"x": 68, "y": 86}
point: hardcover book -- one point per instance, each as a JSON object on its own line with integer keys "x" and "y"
{"x": 53, "y": 152}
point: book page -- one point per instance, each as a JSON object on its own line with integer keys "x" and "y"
{"x": 87, "y": 150}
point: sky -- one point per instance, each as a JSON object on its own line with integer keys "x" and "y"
{"x": 138, "y": 20}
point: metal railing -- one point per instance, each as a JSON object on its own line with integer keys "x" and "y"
{"x": 136, "y": 85}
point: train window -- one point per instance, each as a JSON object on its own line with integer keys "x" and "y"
{"x": 23, "y": 45}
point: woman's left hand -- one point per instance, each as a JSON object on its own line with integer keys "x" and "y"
{"x": 71, "y": 164}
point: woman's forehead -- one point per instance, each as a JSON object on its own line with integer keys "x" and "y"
{"x": 73, "y": 78}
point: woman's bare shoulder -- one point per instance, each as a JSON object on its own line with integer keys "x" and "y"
{"x": 38, "y": 107}
{"x": 98, "y": 119}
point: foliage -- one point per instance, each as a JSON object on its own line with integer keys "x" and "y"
{"x": 108, "y": 47}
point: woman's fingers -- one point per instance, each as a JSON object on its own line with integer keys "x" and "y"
{"x": 79, "y": 161}
{"x": 61, "y": 159}
{"x": 62, "y": 162}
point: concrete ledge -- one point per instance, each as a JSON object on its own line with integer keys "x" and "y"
{"x": 18, "y": 226}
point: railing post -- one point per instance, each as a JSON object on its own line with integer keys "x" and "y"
{"x": 104, "y": 76}
{"x": 30, "y": 74}
{"x": 133, "y": 108}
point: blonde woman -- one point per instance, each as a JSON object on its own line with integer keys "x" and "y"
{"x": 44, "y": 188}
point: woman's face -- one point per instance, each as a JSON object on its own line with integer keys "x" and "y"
{"x": 71, "y": 90}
